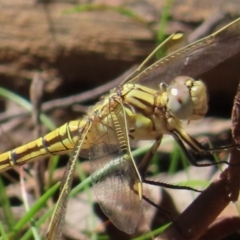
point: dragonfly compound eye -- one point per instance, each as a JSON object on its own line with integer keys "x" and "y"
{"x": 179, "y": 98}
{"x": 187, "y": 98}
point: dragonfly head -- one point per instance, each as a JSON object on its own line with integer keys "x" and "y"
{"x": 187, "y": 98}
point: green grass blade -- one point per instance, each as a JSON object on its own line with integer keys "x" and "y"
{"x": 34, "y": 209}
{"x": 153, "y": 233}
{"x": 161, "y": 34}
{"x": 39, "y": 222}
{"x": 3, "y": 234}
{"x": 6, "y": 207}
{"x": 26, "y": 105}
{"x": 104, "y": 7}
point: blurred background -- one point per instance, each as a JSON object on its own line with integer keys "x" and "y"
{"x": 68, "y": 48}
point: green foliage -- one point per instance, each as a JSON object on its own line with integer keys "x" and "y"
{"x": 103, "y": 7}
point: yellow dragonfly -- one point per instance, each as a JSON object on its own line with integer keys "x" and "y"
{"x": 148, "y": 104}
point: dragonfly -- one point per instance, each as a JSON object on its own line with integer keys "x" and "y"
{"x": 148, "y": 104}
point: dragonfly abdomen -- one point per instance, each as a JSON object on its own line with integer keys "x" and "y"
{"x": 59, "y": 141}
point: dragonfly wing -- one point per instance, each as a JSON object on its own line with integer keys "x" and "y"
{"x": 194, "y": 59}
{"x": 55, "y": 226}
{"x": 115, "y": 178}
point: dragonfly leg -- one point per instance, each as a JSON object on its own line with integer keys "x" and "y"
{"x": 143, "y": 165}
{"x": 158, "y": 207}
{"x": 166, "y": 212}
{"x": 168, "y": 185}
{"x": 182, "y": 136}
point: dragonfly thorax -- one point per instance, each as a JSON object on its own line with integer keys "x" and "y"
{"x": 187, "y": 98}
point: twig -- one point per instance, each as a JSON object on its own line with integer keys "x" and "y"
{"x": 36, "y": 95}
{"x": 234, "y": 169}
{"x": 194, "y": 221}
{"x": 222, "y": 228}
{"x": 206, "y": 27}
{"x": 74, "y": 99}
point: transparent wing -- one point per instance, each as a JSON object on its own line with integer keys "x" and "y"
{"x": 55, "y": 226}
{"x": 195, "y": 58}
{"x": 115, "y": 178}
